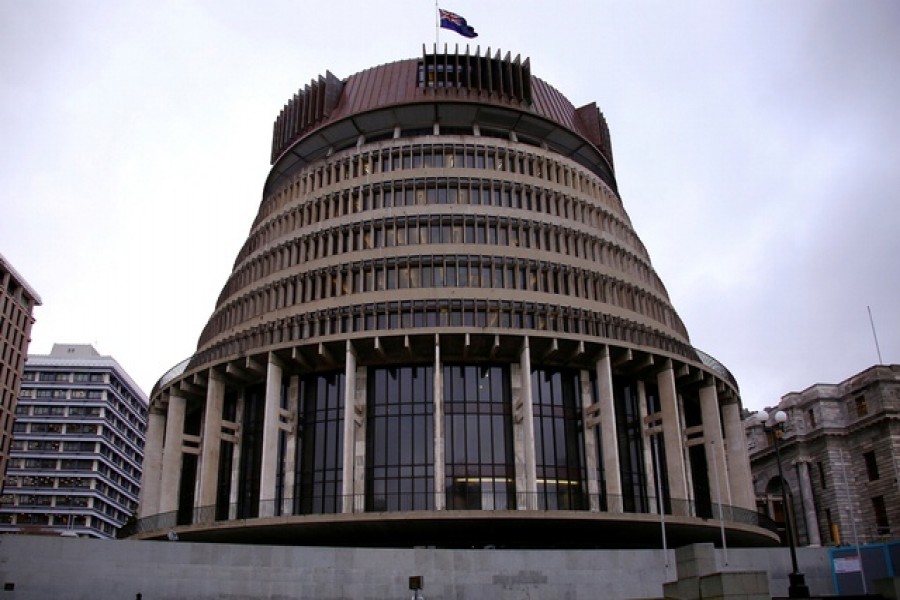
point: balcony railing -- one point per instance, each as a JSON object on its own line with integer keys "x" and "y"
{"x": 425, "y": 502}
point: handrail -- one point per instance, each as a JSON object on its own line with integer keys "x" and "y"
{"x": 386, "y": 503}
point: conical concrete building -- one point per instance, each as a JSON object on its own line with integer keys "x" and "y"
{"x": 444, "y": 331}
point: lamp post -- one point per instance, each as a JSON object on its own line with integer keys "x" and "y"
{"x": 797, "y": 586}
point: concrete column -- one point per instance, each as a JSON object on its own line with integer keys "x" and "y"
{"x": 527, "y": 425}
{"x": 609, "y": 433}
{"x": 671, "y": 425}
{"x": 211, "y": 442}
{"x": 171, "y": 462}
{"x": 268, "y": 478}
{"x": 290, "y": 451}
{"x": 646, "y": 443}
{"x": 590, "y": 443}
{"x": 359, "y": 448}
{"x": 349, "y": 482}
{"x": 437, "y": 391}
{"x": 809, "y": 509}
{"x": 236, "y": 456}
{"x": 715, "y": 450}
{"x": 739, "y": 477}
{"x": 152, "y": 469}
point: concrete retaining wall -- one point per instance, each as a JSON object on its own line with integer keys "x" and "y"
{"x": 38, "y": 568}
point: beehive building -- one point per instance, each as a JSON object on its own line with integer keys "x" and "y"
{"x": 443, "y": 330}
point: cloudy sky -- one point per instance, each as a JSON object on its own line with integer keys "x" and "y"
{"x": 757, "y": 148}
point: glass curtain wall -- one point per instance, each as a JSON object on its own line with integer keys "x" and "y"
{"x": 250, "y": 468}
{"x": 558, "y": 439}
{"x": 631, "y": 448}
{"x": 400, "y": 439}
{"x": 319, "y": 474}
{"x": 478, "y": 447}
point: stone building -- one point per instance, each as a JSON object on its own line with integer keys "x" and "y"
{"x": 17, "y": 302}
{"x": 443, "y": 330}
{"x": 840, "y": 457}
{"x": 78, "y": 442}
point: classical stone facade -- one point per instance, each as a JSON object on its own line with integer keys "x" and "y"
{"x": 840, "y": 457}
{"x": 443, "y": 330}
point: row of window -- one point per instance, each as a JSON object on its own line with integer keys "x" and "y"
{"x": 418, "y": 272}
{"x": 397, "y": 316}
{"x": 355, "y": 168}
{"x": 56, "y": 376}
{"x": 415, "y": 230}
{"x": 61, "y": 394}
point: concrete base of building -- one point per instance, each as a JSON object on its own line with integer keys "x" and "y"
{"x": 40, "y": 567}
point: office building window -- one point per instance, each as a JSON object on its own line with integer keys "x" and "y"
{"x": 871, "y": 465}
{"x": 881, "y": 519}
{"x": 479, "y": 456}
{"x": 861, "y": 408}
{"x": 400, "y": 434}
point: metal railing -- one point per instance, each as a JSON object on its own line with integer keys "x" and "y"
{"x": 456, "y": 501}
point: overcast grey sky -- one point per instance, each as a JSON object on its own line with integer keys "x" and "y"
{"x": 757, "y": 150}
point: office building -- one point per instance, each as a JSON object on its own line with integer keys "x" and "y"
{"x": 443, "y": 330}
{"x": 78, "y": 444}
{"x": 840, "y": 455}
{"x": 17, "y": 302}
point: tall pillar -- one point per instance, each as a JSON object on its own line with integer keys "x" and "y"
{"x": 172, "y": 458}
{"x": 152, "y": 469}
{"x": 712, "y": 438}
{"x": 523, "y": 425}
{"x": 437, "y": 392}
{"x": 590, "y": 443}
{"x": 211, "y": 442}
{"x": 268, "y": 478}
{"x": 646, "y": 445}
{"x": 739, "y": 477}
{"x": 349, "y": 482}
{"x": 290, "y": 451}
{"x": 235, "y": 487}
{"x": 809, "y": 509}
{"x": 609, "y": 433}
{"x": 671, "y": 425}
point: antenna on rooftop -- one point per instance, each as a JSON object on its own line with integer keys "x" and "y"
{"x": 874, "y": 335}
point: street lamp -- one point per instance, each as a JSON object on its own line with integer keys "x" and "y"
{"x": 797, "y": 586}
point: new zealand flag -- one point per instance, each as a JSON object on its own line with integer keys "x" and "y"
{"x": 455, "y": 22}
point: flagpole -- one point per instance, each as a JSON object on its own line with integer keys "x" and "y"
{"x": 437, "y": 25}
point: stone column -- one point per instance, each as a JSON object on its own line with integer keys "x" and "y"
{"x": 290, "y": 451}
{"x": 172, "y": 459}
{"x": 589, "y": 422}
{"x": 739, "y": 477}
{"x": 349, "y": 481}
{"x": 359, "y": 447}
{"x": 609, "y": 433}
{"x": 809, "y": 509}
{"x": 152, "y": 469}
{"x": 235, "y": 487}
{"x": 211, "y": 442}
{"x": 671, "y": 425}
{"x": 523, "y": 424}
{"x": 437, "y": 391}
{"x": 712, "y": 438}
{"x": 268, "y": 478}
{"x": 646, "y": 443}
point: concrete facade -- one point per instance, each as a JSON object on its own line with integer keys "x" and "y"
{"x": 43, "y": 567}
{"x": 77, "y": 450}
{"x": 17, "y": 302}
{"x": 442, "y": 307}
{"x": 841, "y": 459}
